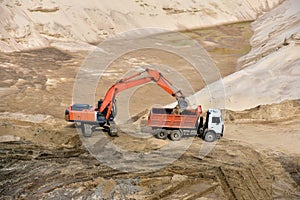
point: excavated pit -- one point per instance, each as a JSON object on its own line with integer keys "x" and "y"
{"x": 42, "y": 156}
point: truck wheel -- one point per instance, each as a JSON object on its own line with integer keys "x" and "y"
{"x": 86, "y": 130}
{"x": 175, "y": 135}
{"x": 210, "y": 136}
{"x": 162, "y": 134}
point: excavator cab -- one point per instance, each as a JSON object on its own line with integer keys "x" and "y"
{"x": 99, "y": 104}
{"x": 101, "y": 115}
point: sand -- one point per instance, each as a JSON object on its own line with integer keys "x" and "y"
{"x": 78, "y": 25}
{"x": 42, "y": 156}
{"x": 270, "y": 71}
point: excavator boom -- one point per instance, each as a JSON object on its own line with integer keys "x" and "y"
{"x": 131, "y": 81}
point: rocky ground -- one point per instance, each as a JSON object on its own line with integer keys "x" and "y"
{"x": 230, "y": 171}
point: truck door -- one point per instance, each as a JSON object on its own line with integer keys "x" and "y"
{"x": 215, "y": 122}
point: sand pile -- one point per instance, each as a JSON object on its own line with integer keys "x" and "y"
{"x": 77, "y": 24}
{"x": 270, "y": 71}
{"x": 287, "y": 110}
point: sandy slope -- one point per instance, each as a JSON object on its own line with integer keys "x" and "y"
{"x": 271, "y": 69}
{"x": 274, "y": 128}
{"x": 34, "y": 24}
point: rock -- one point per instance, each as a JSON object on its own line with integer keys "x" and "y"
{"x": 9, "y": 138}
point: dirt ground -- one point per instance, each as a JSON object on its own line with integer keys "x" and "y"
{"x": 42, "y": 156}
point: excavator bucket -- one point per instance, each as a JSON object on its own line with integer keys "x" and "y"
{"x": 182, "y": 103}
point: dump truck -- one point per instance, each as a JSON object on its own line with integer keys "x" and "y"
{"x": 189, "y": 122}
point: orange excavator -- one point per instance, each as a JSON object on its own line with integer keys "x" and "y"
{"x": 103, "y": 114}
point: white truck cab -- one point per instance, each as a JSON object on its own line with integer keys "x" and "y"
{"x": 214, "y": 125}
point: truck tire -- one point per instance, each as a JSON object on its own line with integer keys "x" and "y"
{"x": 161, "y": 134}
{"x": 175, "y": 135}
{"x": 210, "y": 136}
{"x": 86, "y": 130}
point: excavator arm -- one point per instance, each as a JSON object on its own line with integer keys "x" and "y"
{"x": 132, "y": 81}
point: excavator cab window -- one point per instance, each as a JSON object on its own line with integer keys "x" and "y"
{"x": 99, "y": 104}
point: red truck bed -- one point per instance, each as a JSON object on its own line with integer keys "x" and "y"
{"x": 163, "y": 118}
